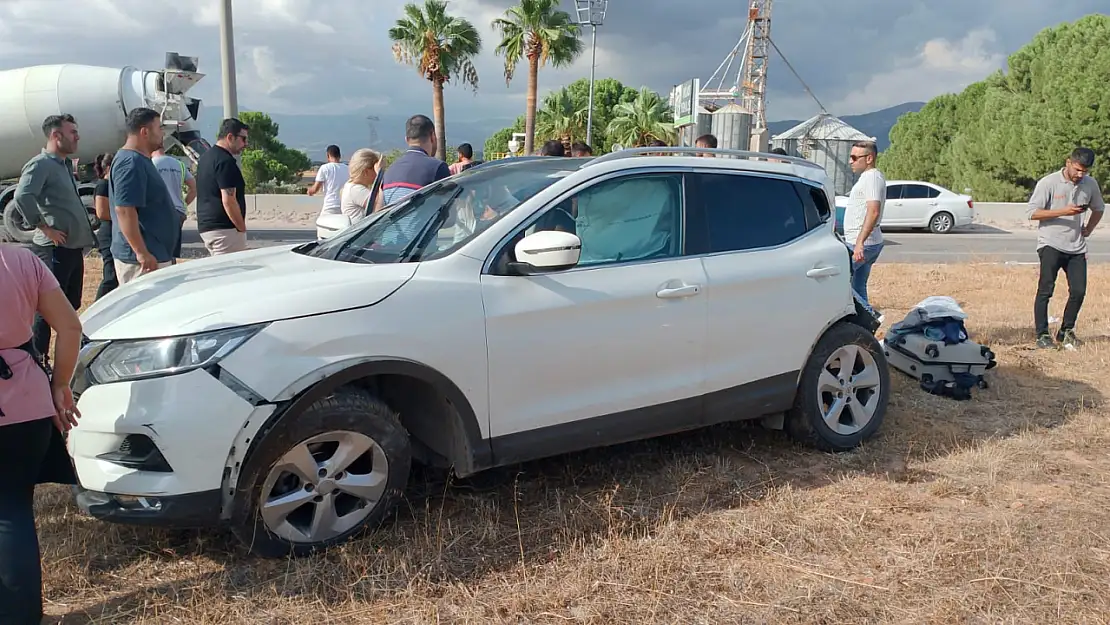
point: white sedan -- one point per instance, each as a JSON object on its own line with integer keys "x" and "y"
{"x": 916, "y": 204}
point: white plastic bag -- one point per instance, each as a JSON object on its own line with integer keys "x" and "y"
{"x": 940, "y": 306}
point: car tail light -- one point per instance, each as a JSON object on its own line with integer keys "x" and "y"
{"x": 970, "y": 204}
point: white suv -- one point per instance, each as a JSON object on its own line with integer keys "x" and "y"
{"x": 514, "y": 311}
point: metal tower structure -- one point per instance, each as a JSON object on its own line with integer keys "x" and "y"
{"x": 750, "y": 56}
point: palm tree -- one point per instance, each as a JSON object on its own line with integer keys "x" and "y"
{"x": 441, "y": 48}
{"x": 560, "y": 117}
{"x": 638, "y": 122}
{"x": 538, "y": 31}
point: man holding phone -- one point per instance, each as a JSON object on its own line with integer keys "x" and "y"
{"x": 1060, "y": 204}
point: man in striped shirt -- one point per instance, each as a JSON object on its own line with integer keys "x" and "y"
{"x": 416, "y": 167}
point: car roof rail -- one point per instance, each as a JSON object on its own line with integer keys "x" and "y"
{"x": 694, "y": 151}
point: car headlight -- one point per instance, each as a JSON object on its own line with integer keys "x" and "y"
{"x": 130, "y": 360}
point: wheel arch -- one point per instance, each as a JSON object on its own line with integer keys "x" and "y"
{"x": 436, "y": 413}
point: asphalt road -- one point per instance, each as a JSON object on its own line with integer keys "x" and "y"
{"x": 983, "y": 244}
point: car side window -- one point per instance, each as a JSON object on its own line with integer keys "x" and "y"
{"x": 816, "y": 204}
{"x": 894, "y": 191}
{"x": 915, "y": 192}
{"x": 624, "y": 219}
{"x": 744, "y": 212}
{"x": 932, "y": 193}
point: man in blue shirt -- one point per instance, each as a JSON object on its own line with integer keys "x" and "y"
{"x": 416, "y": 167}
{"x": 144, "y": 221}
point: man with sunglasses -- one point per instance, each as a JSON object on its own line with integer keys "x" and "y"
{"x": 1058, "y": 205}
{"x": 221, "y": 192}
{"x": 865, "y": 206}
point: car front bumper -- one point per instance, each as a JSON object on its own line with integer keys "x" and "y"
{"x": 165, "y": 440}
{"x": 180, "y": 511}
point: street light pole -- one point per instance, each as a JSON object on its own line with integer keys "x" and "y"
{"x": 591, "y": 13}
{"x": 227, "y": 60}
{"x": 593, "y": 68}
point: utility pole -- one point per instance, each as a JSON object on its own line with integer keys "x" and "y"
{"x": 227, "y": 60}
{"x": 591, "y": 13}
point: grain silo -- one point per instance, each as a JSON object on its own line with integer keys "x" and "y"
{"x": 827, "y": 141}
{"x": 732, "y": 125}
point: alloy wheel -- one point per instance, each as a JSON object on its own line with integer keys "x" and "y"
{"x": 848, "y": 389}
{"x": 324, "y": 487}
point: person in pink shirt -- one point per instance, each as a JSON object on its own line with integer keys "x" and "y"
{"x": 35, "y": 411}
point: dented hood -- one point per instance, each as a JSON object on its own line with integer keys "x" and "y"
{"x": 238, "y": 289}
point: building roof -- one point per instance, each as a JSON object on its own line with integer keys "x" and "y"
{"x": 824, "y": 126}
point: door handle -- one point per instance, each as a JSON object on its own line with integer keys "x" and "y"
{"x": 678, "y": 291}
{"x": 823, "y": 272}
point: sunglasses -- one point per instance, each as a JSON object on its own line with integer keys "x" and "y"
{"x": 855, "y": 157}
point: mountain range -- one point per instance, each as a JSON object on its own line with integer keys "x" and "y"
{"x": 313, "y": 133}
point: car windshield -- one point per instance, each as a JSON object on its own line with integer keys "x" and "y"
{"x": 443, "y": 216}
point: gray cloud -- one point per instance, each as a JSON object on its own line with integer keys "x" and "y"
{"x": 333, "y": 56}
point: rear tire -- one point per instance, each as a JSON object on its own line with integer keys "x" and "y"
{"x": 15, "y": 225}
{"x": 843, "y": 392}
{"x": 361, "y": 456}
{"x": 942, "y": 223}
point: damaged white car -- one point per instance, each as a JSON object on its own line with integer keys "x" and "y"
{"x": 511, "y": 312}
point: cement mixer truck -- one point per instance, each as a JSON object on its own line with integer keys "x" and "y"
{"x": 99, "y": 98}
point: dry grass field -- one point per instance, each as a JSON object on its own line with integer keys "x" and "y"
{"x": 995, "y": 510}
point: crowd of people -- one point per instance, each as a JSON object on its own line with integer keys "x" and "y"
{"x": 141, "y": 200}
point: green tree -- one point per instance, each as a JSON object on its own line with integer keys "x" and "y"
{"x": 561, "y": 117}
{"x": 498, "y": 142}
{"x": 267, "y": 159}
{"x": 642, "y": 120}
{"x": 535, "y": 30}
{"x": 441, "y": 48}
{"x": 1003, "y": 133}
{"x": 608, "y": 92}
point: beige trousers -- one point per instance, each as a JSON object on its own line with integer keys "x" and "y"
{"x": 126, "y": 272}
{"x": 224, "y": 241}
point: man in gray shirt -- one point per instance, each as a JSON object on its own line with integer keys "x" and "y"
{"x": 181, "y": 185}
{"x": 1059, "y": 203}
{"x": 48, "y": 199}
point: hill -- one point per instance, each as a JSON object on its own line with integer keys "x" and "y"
{"x": 876, "y": 124}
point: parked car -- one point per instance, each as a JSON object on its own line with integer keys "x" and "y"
{"x": 915, "y": 204}
{"x": 514, "y": 311}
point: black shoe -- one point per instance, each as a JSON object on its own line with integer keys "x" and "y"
{"x": 1068, "y": 340}
{"x": 1044, "y": 341}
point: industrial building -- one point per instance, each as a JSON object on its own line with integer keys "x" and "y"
{"x": 827, "y": 141}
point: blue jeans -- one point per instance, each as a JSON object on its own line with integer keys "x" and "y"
{"x": 22, "y": 451}
{"x": 862, "y": 271}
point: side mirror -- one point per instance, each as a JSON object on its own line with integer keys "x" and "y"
{"x": 549, "y": 250}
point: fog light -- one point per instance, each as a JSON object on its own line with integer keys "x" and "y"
{"x": 133, "y": 502}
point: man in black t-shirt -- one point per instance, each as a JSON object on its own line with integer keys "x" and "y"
{"x": 221, "y": 192}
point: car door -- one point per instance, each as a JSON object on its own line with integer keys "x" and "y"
{"x": 894, "y": 211}
{"x": 917, "y": 204}
{"x": 777, "y": 277}
{"x": 610, "y": 350}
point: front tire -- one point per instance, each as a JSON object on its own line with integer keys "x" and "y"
{"x": 319, "y": 477}
{"x": 843, "y": 391}
{"x": 942, "y": 223}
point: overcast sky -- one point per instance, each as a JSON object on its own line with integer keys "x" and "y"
{"x": 333, "y": 56}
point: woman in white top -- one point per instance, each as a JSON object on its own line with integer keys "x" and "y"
{"x": 353, "y": 197}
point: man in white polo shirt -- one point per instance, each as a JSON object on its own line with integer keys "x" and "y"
{"x": 330, "y": 178}
{"x": 865, "y": 206}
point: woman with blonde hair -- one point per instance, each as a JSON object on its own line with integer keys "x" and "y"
{"x": 355, "y": 194}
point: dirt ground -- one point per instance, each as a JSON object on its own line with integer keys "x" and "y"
{"x": 995, "y": 510}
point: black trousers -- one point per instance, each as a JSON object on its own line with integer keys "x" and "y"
{"x": 108, "y": 280}
{"x": 1075, "y": 268}
{"x": 23, "y": 450}
{"x": 68, "y": 266}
